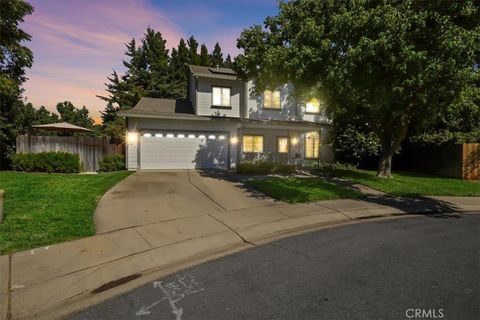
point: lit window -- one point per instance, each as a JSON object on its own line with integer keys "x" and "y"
{"x": 312, "y": 145}
{"x": 220, "y": 97}
{"x": 211, "y": 137}
{"x": 252, "y": 143}
{"x": 158, "y": 135}
{"x": 202, "y": 136}
{"x": 313, "y": 106}
{"x": 180, "y": 136}
{"x": 191, "y": 136}
{"x": 271, "y": 99}
{"x": 221, "y": 137}
{"x": 147, "y": 135}
{"x": 170, "y": 135}
{"x": 282, "y": 144}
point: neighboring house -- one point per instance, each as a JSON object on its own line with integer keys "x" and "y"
{"x": 222, "y": 123}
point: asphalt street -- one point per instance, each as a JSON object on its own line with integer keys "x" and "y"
{"x": 406, "y": 268}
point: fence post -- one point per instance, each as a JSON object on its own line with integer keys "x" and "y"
{"x": 2, "y": 194}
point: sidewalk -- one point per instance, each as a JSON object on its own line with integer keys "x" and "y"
{"x": 51, "y": 282}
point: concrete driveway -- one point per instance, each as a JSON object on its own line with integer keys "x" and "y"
{"x": 154, "y": 196}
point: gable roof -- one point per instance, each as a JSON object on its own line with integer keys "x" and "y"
{"x": 160, "y": 107}
{"x": 210, "y": 72}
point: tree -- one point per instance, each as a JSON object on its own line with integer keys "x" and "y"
{"x": 204, "y": 56}
{"x": 228, "y": 62}
{"x": 15, "y": 57}
{"x": 395, "y": 62}
{"x": 217, "y": 56}
{"x": 77, "y": 116}
{"x": 179, "y": 66}
{"x": 194, "y": 58}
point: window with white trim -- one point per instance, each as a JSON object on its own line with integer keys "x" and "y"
{"x": 312, "y": 145}
{"x": 282, "y": 144}
{"x": 221, "y": 97}
{"x": 252, "y": 143}
{"x": 271, "y": 99}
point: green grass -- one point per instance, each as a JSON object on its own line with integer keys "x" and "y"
{"x": 301, "y": 189}
{"x": 413, "y": 184}
{"x": 42, "y": 208}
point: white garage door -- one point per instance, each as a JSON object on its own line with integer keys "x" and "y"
{"x": 163, "y": 150}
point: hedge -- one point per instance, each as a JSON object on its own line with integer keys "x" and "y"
{"x": 112, "y": 162}
{"x": 58, "y": 162}
{"x": 264, "y": 167}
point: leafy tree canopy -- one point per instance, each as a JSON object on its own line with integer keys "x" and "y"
{"x": 15, "y": 57}
{"x": 393, "y": 63}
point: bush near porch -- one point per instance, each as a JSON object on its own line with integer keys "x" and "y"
{"x": 264, "y": 168}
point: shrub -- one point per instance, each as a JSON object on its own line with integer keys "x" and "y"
{"x": 332, "y": 166}
{"x": 59, "y": 162}
{"x": 264, "y": 167}
{"x": 112, "y": 162}
{"x": 283, "y": 168}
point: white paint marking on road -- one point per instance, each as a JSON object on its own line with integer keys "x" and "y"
{"x": 145, "y": 311}
{"x": 174, "y": 292}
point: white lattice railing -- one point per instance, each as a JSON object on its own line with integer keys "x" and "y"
{"x": 265, "y": 156}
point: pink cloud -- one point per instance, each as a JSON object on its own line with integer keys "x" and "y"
{"x": 76, "y": 44}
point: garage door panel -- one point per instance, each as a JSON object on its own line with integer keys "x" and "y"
{"x": 183, "y": 153}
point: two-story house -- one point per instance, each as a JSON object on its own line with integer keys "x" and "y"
{"x": 222, "y": 123}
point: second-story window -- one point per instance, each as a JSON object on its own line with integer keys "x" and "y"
{"x": 221, "y": 97}
{"x": 313, "y": 106}
{"x": 271, "y": 99}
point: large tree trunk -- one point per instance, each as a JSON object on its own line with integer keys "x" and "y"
{"x": 390, "y": 139}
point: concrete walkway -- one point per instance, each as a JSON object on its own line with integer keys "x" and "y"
{"x": 51, "y": 282}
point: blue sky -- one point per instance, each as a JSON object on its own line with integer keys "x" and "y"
{"x": 77, "y": 43}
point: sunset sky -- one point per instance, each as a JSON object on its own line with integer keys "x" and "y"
{"x": 77, "y": 43}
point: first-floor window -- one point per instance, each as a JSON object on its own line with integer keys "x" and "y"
{"x": 282, "y": 144}
{"x": 221, "y": 97}
{"x": 312, "y": 145}
{"x": 252, "y": 143}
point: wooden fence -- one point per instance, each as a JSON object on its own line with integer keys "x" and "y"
{"x": 90, "y": 149}
{"x": 455, "y": 161}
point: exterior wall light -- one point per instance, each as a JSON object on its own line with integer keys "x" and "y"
{"x": 131, "y": 137}
{"x": 234, "y": 140}
{"x": 294, "y": 141}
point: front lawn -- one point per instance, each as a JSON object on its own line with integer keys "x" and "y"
{"x": 42, "y": 208}
{"x": 301, "y": 189}
{"x": 412, "y": 184}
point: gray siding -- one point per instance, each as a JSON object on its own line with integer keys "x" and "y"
{"x": 290, "y": 110}
{"x": 204, "y": 97}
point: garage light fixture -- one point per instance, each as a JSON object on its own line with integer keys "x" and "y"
{"x": 234, "y": 140}
{"x": 211, "y": 137}
{"x": 201, "y": 136}
{"x": 180, "y": 136}
{"x": 158, "y": 135}
{"x": 221, "y": 137}
{"x": 294, "y": 141}
{"x": 131, "y": 137}
{"x": 170, "y": 135}
{"x": 191, "y": 136}
{"x": 147, "y": 135}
